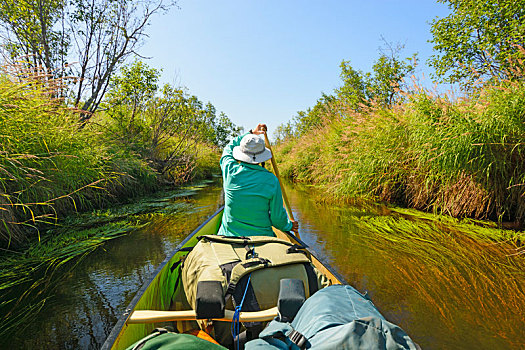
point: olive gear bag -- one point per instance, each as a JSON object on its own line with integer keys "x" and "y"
{"x": 220, "y": 270}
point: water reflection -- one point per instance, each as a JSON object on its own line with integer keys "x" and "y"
{"x": 446, "y": 289}
{"x": 89, "y": 296}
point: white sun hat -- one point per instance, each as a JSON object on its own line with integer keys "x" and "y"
{"x": 252, "y": 150}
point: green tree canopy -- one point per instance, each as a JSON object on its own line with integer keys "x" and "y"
{"x": 479, "y": 38}
{"x": 381, "y": 86}
{"x": 138, "y": 106}
{"x": 86, "y": 39}
{"x": 31, "y": 30}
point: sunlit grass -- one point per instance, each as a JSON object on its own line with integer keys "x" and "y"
{"x": 460, "y": 157}
{"x": 50, "y": 166}
{"x": 449, "y": 283}
{"x": 456, "y": 271}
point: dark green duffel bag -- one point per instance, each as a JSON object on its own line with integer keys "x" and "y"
{"x": 162, "y": 339}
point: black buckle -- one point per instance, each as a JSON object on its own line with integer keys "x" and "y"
{"x": 296, "y": 249}
{"x": 298, "y": 339}
{"x": 251, "y": 253}
{"x": 231, "y": 289}
{"x": 160, "y": 330}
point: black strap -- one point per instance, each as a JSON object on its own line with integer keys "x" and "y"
{"x": 227, "y": 269}
{"x": 229, "y": 291}
{"x": 244, "y": 239}
{"x": 179, "y": 278}
{"x": 255, "y": 262}
{"x": 312, "y": 278}
{"x": 177, "y": 263}
{"x": 296, "y": 248}
{"x": 185, "y": 249}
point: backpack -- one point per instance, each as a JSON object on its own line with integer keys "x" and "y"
{"x": 217, "y": 269}
{"x": 337, "y": 317}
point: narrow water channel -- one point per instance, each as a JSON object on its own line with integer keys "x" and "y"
{"x": 444, "y": 288}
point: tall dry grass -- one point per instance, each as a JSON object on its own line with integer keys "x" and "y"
{"x": 464, "y": 157}
{"x": 48, "y": 165}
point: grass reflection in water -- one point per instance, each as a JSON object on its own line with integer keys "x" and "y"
{"x": 444, "y": 281}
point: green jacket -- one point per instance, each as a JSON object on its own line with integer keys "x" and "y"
{"x": 253, "y": 201}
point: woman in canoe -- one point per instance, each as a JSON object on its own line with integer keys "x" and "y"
{"x": 252, "y": 195}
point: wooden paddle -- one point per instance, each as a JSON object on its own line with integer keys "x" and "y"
{"x": 153, "y": 316}
{"x": 285, "y": 198}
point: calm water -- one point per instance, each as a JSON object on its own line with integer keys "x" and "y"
{"x": 93, "y": 293}
{"x": 446, "y": 290}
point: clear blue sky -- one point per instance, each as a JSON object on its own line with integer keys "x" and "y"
{"x": 264, "y": 60}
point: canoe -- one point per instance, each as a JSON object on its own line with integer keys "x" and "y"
{"x": 156, "y": 303}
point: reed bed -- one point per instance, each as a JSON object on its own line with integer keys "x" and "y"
{"x": 464, "y": 157}
{"x": 53, "y": 164}
{"x": 49, "y": 166}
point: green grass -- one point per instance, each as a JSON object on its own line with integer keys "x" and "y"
{"x": 51, "y": 167}
{"x": 461, "y": 157}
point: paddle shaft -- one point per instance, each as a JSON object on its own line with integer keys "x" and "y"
{"x": 276, "y": 170}
{"x": 154, "y": 316}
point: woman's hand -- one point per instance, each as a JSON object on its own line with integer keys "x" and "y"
{"x": 259, "y": 129}
{"x": 295, "y": 226}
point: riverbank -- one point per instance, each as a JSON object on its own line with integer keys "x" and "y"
{"x": 56, "y": 164}
{"x": 463, "y": 157}
{"x": 55, "y": 161}
{"x": 28, "y": 277}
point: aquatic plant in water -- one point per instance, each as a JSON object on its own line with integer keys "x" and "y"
{"x": 28, "y": 277}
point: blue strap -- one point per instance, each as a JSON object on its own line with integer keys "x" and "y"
{"x": 235, "y": 327}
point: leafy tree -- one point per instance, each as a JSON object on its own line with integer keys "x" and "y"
{"x": 389, "y": 73}
{"x": 355, "y": 85}
{"x": 225, "y": 129}
{"x": 132, "y": 89}
{"x": 30, "y": 30}
{"x": 162, "y": 124}
{"x": 98, "y": 35}
{"x": 381, "y": 86}
{"x": 478, "y": 38}
{"x": 285, "y": 131}
{"x": 314, "y": 117}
